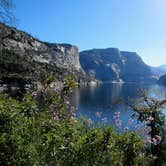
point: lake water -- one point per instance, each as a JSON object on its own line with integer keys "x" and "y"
{"x": 104, "y": 98}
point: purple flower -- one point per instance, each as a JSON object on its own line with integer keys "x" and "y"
{"x": 136, "y": 126}
{"x": 73, "y": 119}
{"x": 27, "y": 87}
{"x": 149, "y": 119}
{"x": 148, "y": 140}
{"x": 104, "y": 120}
{"x": 89, "y": 122}
{"x": 126, "y": 128}
{"x": 4, "y": 85}
{"x": 118, "y": 123}
{"x": 34, "y": 94}
{"x": 158, "y": 138}
{"x": 154, "y": 141}
{"x": 98, "y": 114}
{"x": 117, "y": 114}
{"x": 130, "y": 120}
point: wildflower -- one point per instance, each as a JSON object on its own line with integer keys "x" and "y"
{"x": 138, "y": 129}
{"x": 118, "y": 123}
{"x": 136, "y": 126}
{"x": 73, "y": 119}
{"x": 104, "y": 120}
{"x": 72, "y": 113}
{"x": 149, "y": 141}
{"x": 130, "y": 120}
{"x": 158, "y": 138}
{"x": 147, "y": 130}
{"x": 126, "y": 128}
{"x": 55, "y": 117}
{"x": 27, "y": 87}
{"x": 149, "y": 119}
{"x": 67, "y": 102}
{"x": 72, "y": 108}
{"x": 34, "y": 94}
{"x": 89, "y": 122}
{"x": 154, "y": 141}
{"x": 115, "y": 117}
{"x": 98, "y": 114}
{"x": 117, "y": 113}
{"x": 4, "y": 86}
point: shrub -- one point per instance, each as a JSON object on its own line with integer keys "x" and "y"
{"x": 51, "y": 135}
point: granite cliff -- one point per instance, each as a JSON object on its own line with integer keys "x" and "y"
{"x": 162, "y": 80}
{"x": 113, "y": 65}
{"x": 25, "y": 58}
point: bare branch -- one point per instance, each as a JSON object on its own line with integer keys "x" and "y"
{"x": 6, "y": 15}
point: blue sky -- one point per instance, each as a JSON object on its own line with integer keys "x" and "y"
{"x": 131, "y": 25}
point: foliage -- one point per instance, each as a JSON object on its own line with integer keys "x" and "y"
{"x": 51, "y": 134}
{"x": 150, "y": 112}
{"x": 41, "y": 129}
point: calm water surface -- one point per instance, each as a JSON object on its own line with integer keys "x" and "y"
{"x": 105, "y": 98}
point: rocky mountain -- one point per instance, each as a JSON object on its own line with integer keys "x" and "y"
{"x": 103, "y": 64}
{"x": 25, "y": 58}
{"x": 162, "y": 80}
{"x": 111, "y": 64}
{"x": 163, "y": 67}
{"x": 159, "y": 70}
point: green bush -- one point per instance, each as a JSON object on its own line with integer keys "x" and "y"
{"x": 51, "y": 135}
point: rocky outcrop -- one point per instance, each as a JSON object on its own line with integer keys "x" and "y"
{"x": 135, "y": 70}
{"x": 159, "y": 70}
{"x": 102, "y": 64}
{"x": 114, "y": 65}
{"x": 62, "y": 55}
{"x": 162, "y": 80}
{"x": 24, "y": 56}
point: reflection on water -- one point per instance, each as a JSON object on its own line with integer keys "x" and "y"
{"x": 105, "y": 98}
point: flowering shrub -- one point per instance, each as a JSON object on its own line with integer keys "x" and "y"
{"x": 150, "y": 113}
{"x": 48, "y": 133}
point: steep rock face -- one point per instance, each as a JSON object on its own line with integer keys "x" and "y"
{"x": 22, "y": 55}
{"x": 111, "y": 64}
{"x": 135, "y": 70}
{"x": 62, "y": 55}
{"x": 162, "y": 80}
{"x": 103, "y": 64}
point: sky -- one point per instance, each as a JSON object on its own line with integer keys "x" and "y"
{"x": 130, "y": 25}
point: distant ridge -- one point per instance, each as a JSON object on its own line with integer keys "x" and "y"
{"x": 159, "y": 70}
{"x": 113, "y": 65}
{"x": 162, "y": 80}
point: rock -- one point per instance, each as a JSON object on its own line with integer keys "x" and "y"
{"x": 61, "y": 55}
{"x": 162, "y": 80}
{"x": 113, "y": 65}
{"x": 135, "y": 70}
{"x": 24, "y": 58}
{"x": 102, "y": 64}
